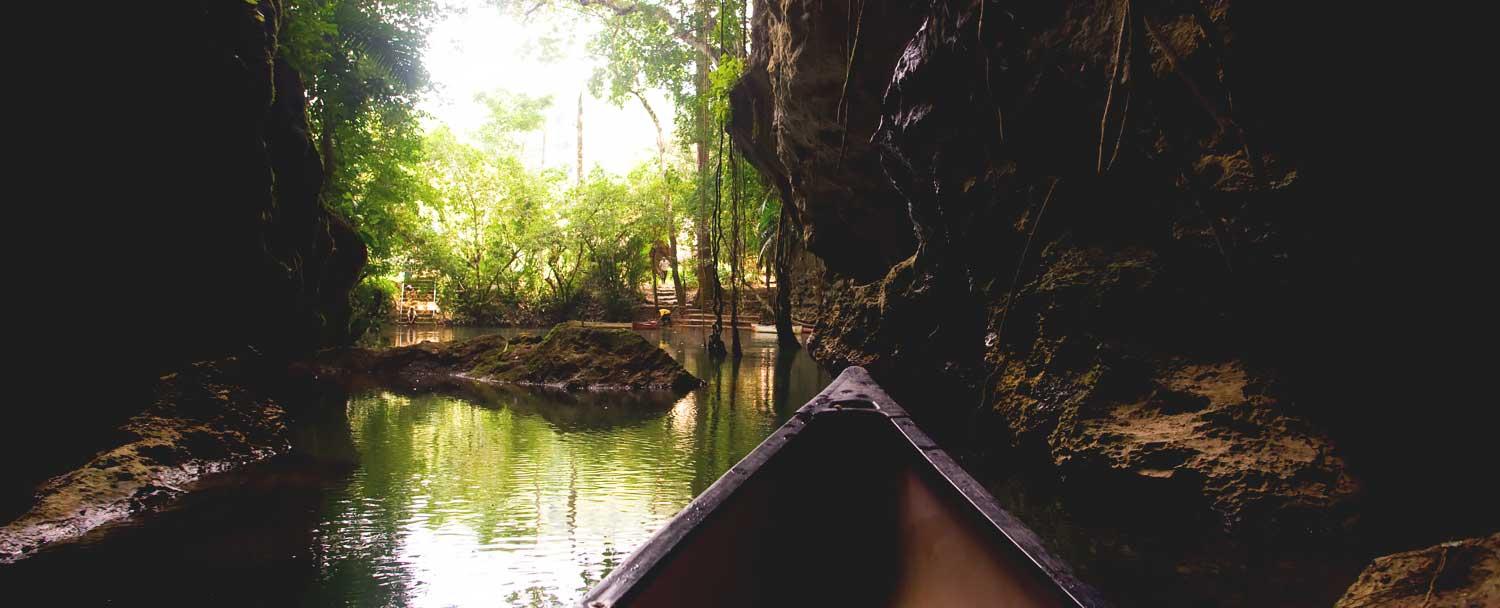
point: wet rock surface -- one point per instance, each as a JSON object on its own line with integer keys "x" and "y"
{"x": 1203, "y": 427}
{"x": 1141, "y": 245}
{"x": 817, "y": 152}
{"x": 571, "y": 356}
{"x": 1458, "y": 574}
{"x": 203, "y": 421}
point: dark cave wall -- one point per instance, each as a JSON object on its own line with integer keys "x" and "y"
{"x": 1232, "y": 261}
{"x": 183, "y": 198}
{"x": 858, "y": 226}
{"x": 272, "y": 267}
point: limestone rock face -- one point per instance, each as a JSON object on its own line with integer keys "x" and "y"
{"x": 1208, "y": 427}
{"x": 189, "y": 194}
{"x": 818, "y": 150}
{"x": 1458, "y": 574}
{"x": 1142, "y": 235}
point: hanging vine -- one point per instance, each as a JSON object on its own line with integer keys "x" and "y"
{"x": 716, "y": 237}
{"x": 841, "y": 111}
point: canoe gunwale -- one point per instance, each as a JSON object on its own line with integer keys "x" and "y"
{"x": 855, "y": 393}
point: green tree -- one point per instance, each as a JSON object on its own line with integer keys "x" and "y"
{"x": 669, "y": 45}
{"x": 361, "y": 63}
{"x": 507, "y": 239}
{"x": 480, "y": 212}
{"x": 510, "y": 115}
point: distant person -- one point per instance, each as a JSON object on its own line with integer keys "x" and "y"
{"x": 666, "y": 316}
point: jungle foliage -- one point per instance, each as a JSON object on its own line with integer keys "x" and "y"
{"x": 509, "y": 243}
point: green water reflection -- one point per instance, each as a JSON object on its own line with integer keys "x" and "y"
{"x": 515, "y": 497}
{"x": 491, "y": 497}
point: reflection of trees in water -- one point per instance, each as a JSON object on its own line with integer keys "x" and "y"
{"x": 573, "y": 480}
{"x": 590, "y": 573}
{"x": 533, "y": 597}
{"x": 571, "y": 411}
{"x": 434, "y": 461}
{"x": 591, "y": 473}
{"x": 320, "y": 430}
{"x": 781, "y": 383}
{"x": 705, "y": 463}
{"x": 730, "y": 437}
{"x": 408, "y": 335}
{"x": 356, "y": 554}
{"x": 744, "y": 400}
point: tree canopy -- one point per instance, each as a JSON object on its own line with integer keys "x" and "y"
{"x": 512, "y": 243}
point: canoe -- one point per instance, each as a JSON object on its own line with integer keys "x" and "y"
{"x": 847, "y": 504}
{"x": 645, "y": 325}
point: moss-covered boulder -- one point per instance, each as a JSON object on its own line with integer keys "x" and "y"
{"x": 571, "y": 356}
{"x": 576, "y": 356}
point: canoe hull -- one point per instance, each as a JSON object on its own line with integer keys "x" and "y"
{"x": 848, "y": 503}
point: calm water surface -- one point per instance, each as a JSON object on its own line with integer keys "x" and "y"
{"x": 502, "y": 497}
{"x": 494, "y": 497}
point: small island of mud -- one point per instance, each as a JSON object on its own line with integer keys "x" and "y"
{"x": 571, "y": 356}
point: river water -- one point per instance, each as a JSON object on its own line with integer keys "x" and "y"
{"x": 506, "y": 497}
{"x": 497, "y": 498}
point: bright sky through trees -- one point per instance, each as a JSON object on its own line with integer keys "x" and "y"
{"x": 449, "y": 130}
{"x": 477, "y": 49}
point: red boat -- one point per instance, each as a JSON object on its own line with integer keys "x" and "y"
{"x": 645, "y": 325}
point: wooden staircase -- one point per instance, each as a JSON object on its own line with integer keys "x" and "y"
{"x": 683, "y": 315}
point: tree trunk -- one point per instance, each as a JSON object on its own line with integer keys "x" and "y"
{"x": 708, "y": 278}
{"x": 325, "y": 146}
{"x": 717, "y": 236}
{"x": 580, "y": 138}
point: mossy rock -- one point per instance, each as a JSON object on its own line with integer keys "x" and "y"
{"x": 575, "y": 356}
{"x": 571, "y": 356}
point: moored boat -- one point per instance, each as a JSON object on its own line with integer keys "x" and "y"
{"x": 847, "y": 504}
